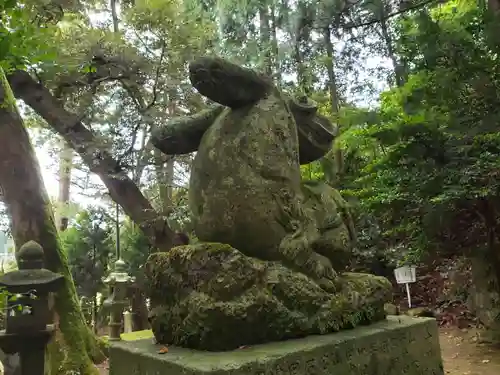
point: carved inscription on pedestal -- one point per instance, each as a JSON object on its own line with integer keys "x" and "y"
{"x": 311, "y": 367}
{"x": 396, "y": 352}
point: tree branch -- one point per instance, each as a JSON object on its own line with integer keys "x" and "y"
{"x": 157, "y": 76}
{"x": 96, "y": 156}
{"x": 422, "y": 4}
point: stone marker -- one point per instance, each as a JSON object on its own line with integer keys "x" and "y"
{"x": 399, "y": 346}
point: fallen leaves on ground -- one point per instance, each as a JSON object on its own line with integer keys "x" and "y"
{"x": 163, "y": 350}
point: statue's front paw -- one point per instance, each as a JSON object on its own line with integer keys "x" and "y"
{"x": 327, "y": 285}
{"x": 323, "y": 272}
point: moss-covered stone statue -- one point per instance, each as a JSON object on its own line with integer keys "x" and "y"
{"x": 272, "y": 247}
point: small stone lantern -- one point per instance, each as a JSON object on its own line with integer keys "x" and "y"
{"x": 28, "y": 318}
{"x": 118, "y": 281}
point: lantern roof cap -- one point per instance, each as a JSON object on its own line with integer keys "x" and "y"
{"x": 119, "y": 274}
{"x": 31, "y": 274}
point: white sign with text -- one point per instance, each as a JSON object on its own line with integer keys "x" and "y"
{"x": 406, "y": 275}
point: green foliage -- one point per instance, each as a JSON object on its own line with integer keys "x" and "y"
{"x": 3, "y": 313}
{"x": 312, "y": 171}
{"x": 135, "y": 248}
{"x": 88, "y": 245}
{"x": 420, "y": 171}
{"x": 180, "y": 218}
{"x": 431, "y": 162}
{"x": 24, "y": 31}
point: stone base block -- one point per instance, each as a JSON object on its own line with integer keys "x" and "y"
{"x": 401, "y": 345}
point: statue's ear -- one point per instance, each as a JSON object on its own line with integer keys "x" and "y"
{"x": 303, "y": 105}
{"x": 316, "y": 132}
{"x": 226, "y": 83}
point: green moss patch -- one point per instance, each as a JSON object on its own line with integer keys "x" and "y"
{"x": 212, "y": 297}
{"x": 132, "y": 336}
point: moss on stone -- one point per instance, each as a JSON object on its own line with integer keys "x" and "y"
{"x": 246, "y": 193}
{"x": 391, "y": 309}
{"x": 396, "y": 346}
{"x": 333, "y": 221}
{"x": 245, "y": 188}
{"x": 420, "y": 312}
{"x": 212, "y": 297}
{"x": 130, "y": 336}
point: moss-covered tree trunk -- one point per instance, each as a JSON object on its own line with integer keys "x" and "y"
{"x": 75, "y": 347}
{"x": 484, "y": 299}
{"x": 484, "y": 296}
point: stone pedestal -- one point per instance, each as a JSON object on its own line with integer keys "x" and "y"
{"x": 400, "y": 345}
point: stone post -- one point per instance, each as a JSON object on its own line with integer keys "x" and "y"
{"x": 29, "y": 325}
{"x": 127, "y": 322}
{"x": 118, "y": 282}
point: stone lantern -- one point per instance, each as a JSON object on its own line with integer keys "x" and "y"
{"x": 28, "y": 325}
{"x": 118, "y": 281}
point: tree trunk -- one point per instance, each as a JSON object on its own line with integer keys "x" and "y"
{"x": 490, "y": 218}
{"x": 94, "y": 313}
{"x": 494, "y": 6}
{"x": 302, "y": 77}
{"x": 301, "y": 44}
{"x": 65, "y": 167}
{"x": 27, "y": 201}
{"x": 96, "y": 156}
{"x": 114, "y": 15}
{"x": 484, "y": 297}
{"x": 139, "y": 309}
{"x": 265, "y": 37}
{"x": 164, "y": 168}
{"x": 330, "y": 68}
{"x": 334, "y": 92}
{"x": 169, "y": 179}
{"x": 275, "y": 47}
{"x": 142, "y": 159}
{"x": 399, "y": 70}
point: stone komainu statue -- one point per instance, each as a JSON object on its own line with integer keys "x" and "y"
{"x": 272, "y": 246}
